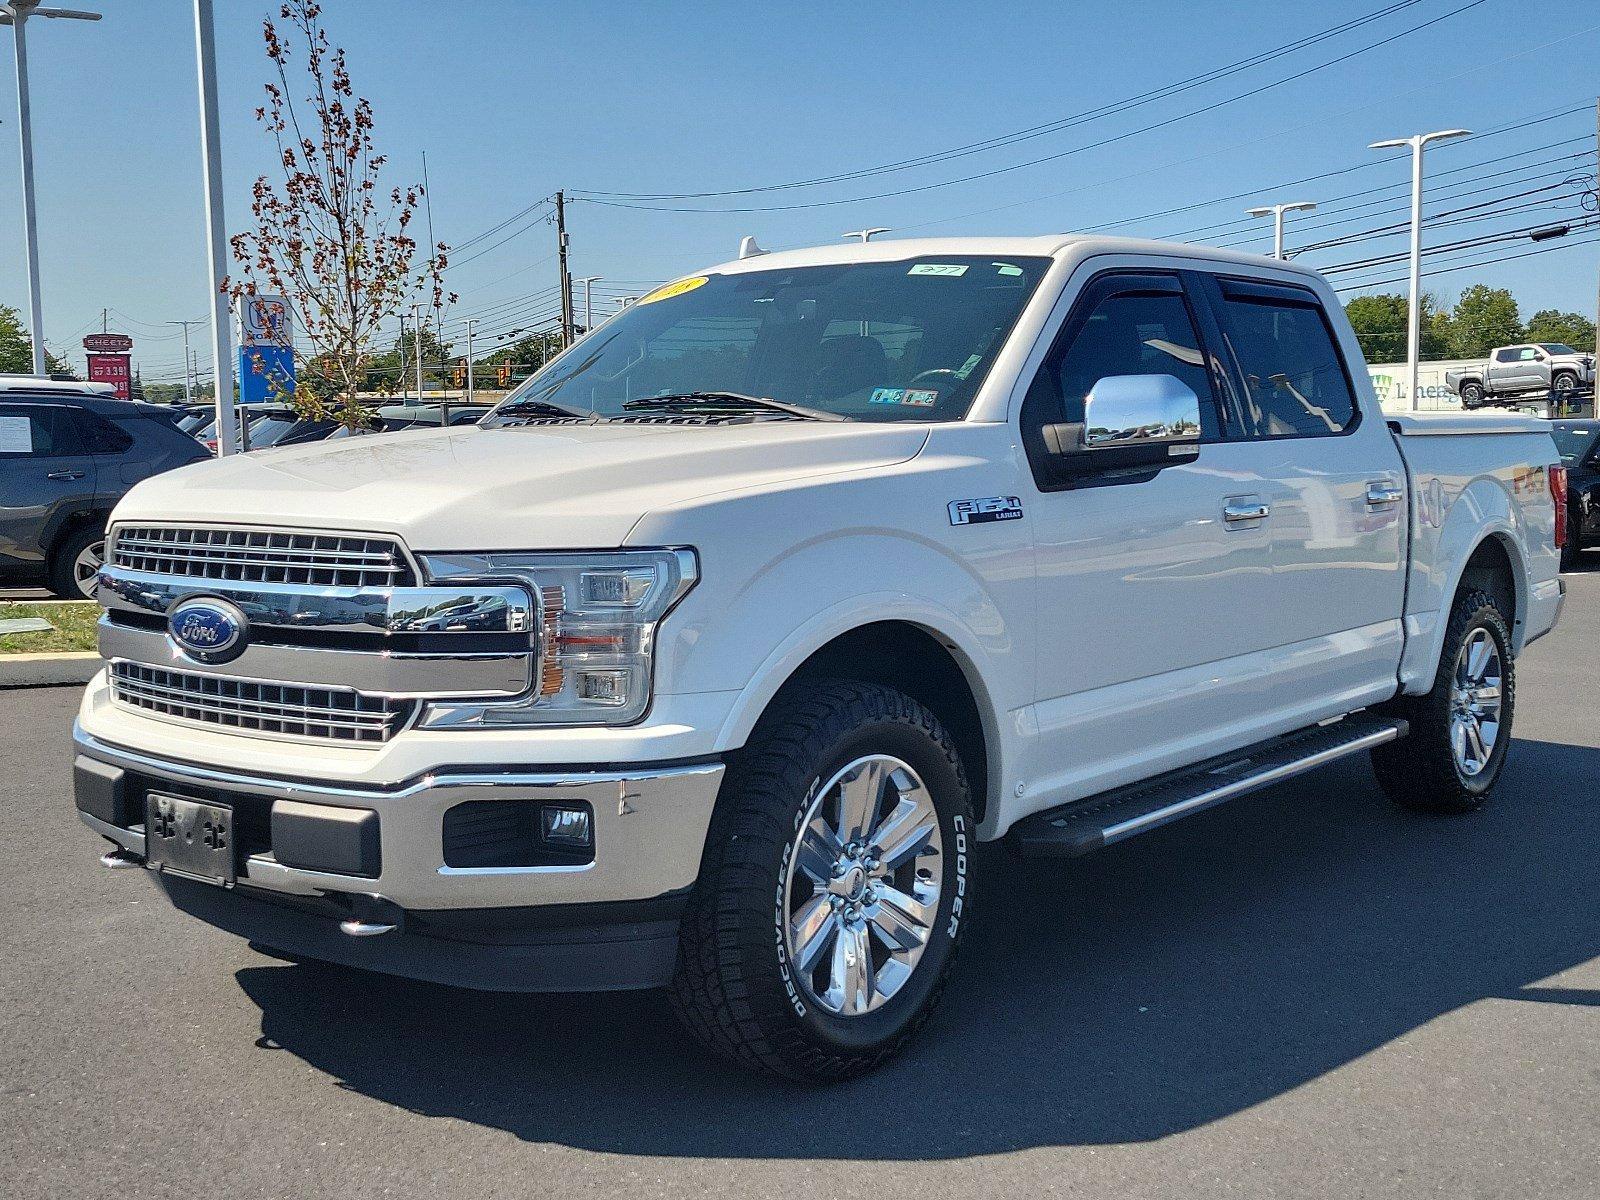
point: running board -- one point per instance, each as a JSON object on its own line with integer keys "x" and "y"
{"x": 1087, "y": 825}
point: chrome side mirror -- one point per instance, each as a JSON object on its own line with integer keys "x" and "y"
{"x": 1140, "y": 408}
{"x": 1130, "y": 423}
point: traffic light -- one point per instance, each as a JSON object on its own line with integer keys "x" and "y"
{"x": 461, "y": 373}
{"x": 503, "y": 374}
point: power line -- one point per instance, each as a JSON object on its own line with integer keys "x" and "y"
{"x": 1007, "y": 139}
{"x": 594, "y": 198}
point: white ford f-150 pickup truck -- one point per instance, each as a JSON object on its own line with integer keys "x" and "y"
{"x": 707, "y": 659}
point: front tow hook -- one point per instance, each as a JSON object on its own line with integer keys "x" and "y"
{"x": 371, "y": 916}
{"x": 119, "y": 859}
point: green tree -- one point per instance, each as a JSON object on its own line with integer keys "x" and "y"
{"x": 1484, "y": 318}
{"x": 1569, "y": 328}
{"x": 1380, "y": 325}
{"x": 16, "y": 348}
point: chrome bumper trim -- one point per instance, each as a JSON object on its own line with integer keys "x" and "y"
{"x": 650, "y": 830}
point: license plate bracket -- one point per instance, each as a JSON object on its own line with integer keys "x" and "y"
{"x": 193, "y": 838}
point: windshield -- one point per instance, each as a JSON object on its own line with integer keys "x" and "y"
{"x": 1556, "y": 348}
{"x": 891, "y": 341}
{"x": 1574, "y": 442}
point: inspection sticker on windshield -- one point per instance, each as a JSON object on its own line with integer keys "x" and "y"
{"x": 668, "y": 290}
{"x": 984, "y": 509}
{"x": 908, "y": 397}
{"x": 938, "y": 269}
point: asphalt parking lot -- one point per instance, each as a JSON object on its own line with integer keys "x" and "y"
{"x": 1306, "y": 993}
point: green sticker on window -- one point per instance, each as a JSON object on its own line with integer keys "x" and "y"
{"x": 956, "y": 269}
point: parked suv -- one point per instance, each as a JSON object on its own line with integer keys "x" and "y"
{"x": 1578, "y": 443}
{"x": 68, "y": 453}
{"x": 1537, "y": 368}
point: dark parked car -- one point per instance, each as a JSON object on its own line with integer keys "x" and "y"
{"x": 1579, "y": 445}
{"x": 68, "y": 452}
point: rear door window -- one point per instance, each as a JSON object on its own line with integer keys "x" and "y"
{"x": 37, "y": 431}
{"x": 1295, "y": 381}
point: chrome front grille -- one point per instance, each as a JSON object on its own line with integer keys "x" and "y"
{"x": 272, "y": 709}
{"x": 262, "y": 556}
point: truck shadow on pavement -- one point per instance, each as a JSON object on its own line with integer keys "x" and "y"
{"x": 1144, "y": 991}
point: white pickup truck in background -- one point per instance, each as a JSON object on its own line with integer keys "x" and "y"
{"x": 708, "y": 658}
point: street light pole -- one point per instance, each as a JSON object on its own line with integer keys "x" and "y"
{"x": 588, "y": 282}
{"x": 16, "y": 14}
{"x": 471, "y": 324}
{"x": 1414, "y": 306}
{"x": 205, "y": 41}
{"x": 188, "y": 391}
{"x": 416, "y": 320}
{"x": 865, "y": 234}
{"x": 1276, "y": 211}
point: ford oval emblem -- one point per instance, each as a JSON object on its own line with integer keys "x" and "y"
{"x": 207, "y": 629}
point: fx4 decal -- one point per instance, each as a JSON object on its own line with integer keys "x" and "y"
{"x": 983, "y": 509}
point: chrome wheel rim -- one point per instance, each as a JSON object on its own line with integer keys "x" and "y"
{"x": 862, "y": 885}
{"x": 87, "y": 566}
{"x": 1475, "y": 703}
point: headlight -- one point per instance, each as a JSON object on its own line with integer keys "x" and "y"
{"x": 595, "y": 641}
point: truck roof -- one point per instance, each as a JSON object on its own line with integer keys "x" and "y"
{"x": 1050, "y": 245}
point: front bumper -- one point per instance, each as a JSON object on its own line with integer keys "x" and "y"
{"x": 649, "y": 830}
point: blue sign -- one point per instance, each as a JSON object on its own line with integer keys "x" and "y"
{"x": 265, "y": 373}
{"x": 208, "y": 630}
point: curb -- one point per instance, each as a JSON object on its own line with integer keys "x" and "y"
{"x": 46, "y": 670}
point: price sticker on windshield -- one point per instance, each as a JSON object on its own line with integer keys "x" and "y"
{"x": 668, "y": 290}
{"x": 950, "y": 269}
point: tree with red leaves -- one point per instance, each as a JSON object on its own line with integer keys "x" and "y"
{"x": 326, "y": 236}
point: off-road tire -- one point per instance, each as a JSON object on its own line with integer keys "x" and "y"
{"x": 1419, "y": 772}
{"x": 59, "y": 578}
{"x": 1564, "y": 381}
{"x": 731, "y": 987}
{"x": 1472, "y": 395}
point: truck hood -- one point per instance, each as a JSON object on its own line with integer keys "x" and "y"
{"x": 523, "y": 487}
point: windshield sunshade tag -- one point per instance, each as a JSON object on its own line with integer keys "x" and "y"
{"x": 668, "y": 290}
{"x": 951, "y": 269}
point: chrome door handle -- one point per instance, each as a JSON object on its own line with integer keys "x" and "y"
{"x": 66, "y": 474}
{"x": 1236, "y": 511}
{"x": 1381, "y": 493}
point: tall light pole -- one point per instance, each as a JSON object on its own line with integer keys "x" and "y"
{"x": 1276, "y": 211}
{"x": 205, "y": 44}
{"x": 865, "y": 234}
{"x": 1414, "y": 307}
{"x": 188, "y": 392}
{"x": 16, "y": 14}
{"x": 588, "y": 282}
{"x": 471, "y": 325}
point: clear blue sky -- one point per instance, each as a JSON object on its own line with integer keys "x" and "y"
{"x": 512, "y": 100}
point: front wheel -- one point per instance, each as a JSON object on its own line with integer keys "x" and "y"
{"x": 1460, "y": 730}
{"x": 834, "y": 889}
{"x": 1564, "y": 382}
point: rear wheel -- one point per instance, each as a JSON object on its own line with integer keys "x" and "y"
{"x": 835, "y": 888}
{"x": 1471, "y": 395}
{"x": 75, "y": 563}
{"x": 1461, "y": 730}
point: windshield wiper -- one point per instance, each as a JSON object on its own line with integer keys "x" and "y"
{"x": 712, "y": 402}
{"x": 545, "y": 408}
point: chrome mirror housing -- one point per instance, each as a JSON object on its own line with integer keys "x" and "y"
{"x": 1124, "y": 409}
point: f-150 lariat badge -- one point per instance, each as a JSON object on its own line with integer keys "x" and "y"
{"x": 983, "y": 509}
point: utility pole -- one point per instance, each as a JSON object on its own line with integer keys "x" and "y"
{"x": 566, "y": 277}
{"x": 188, "y": 392}
{"x": 588, "y": 282}
{"x": 16, "y": 13}
{"x": 1276, "y": 211}
{"x": 471, "y": 324}
{"x": 205, "y": 40}
{"x": 1414, "y": 308}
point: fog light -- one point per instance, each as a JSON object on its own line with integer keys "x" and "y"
{"x": 608, "y": 687}
{"x": 566, "y": 826}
